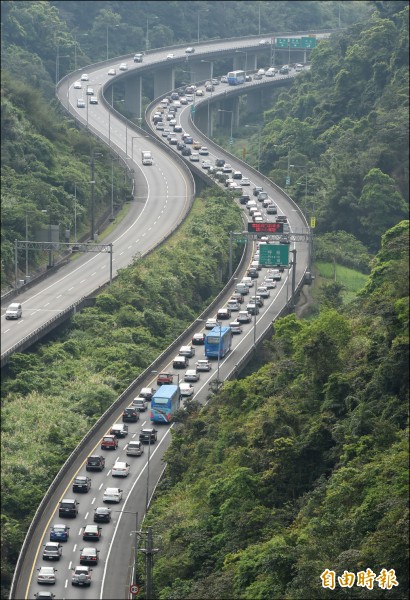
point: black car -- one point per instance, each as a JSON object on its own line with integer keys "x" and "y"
{"x": 95, "y": 463}
{"x": 102, "y": 514}
{"x": 186, "y": 151}
{"x": 256, "y": 190}
{"x": 284, "y": 239}
{"x": 219, "y": 162}
{"x": 130, "y": 415}
{"x": 81, "y": 484}
{"x": 253, "y": 273}
{"x": 68, "y": 508}
{"x": 244, "y": 199}
{"x": 148, "y": 435}
{"x": 283, "y": 70}
{"x": 180, "y": 146}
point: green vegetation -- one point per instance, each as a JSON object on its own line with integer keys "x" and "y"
{"x": 350, "y": 281}
{"x": 302, "y": 466}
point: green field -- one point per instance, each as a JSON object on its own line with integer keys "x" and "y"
{"x": 352, "y": 280}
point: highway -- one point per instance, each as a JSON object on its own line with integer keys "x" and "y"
{"x": 111, "y": 578}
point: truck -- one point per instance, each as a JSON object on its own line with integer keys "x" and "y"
{"x": 146, "y": 157}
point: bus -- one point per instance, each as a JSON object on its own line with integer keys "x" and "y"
{"x": 218, "y": 341}
{"x": 236, "y": 77}
{"x": 164, "y": 403}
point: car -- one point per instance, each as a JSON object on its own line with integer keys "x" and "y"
{"x": 166, "y": 132}
{"x": 215, "y": 81}
{"x": 191, "y": 375}
{"x": 298, "y": 67}
{"x": 244, "y": 199}
{"x": 170, "y": 55}
{"x": 159, "y": 126}
{"x": 77, "y": 85}
{"x": 186, "y": 389}
{"x": 109, "y": 442}
{"x": 245, "y": 181}
{"x": 123, "y": 67}
{"x": 148, "y": 434}
{"x": 261, "y": 72}
{"x": 257, "y": 299}
{"x": 89, "y": 91}
{"x": 14, "y": 311}
{"x": 257, "y": 189}
{"x": 235, "y": 327}
{"x": 138, "y": 57}
{"x": 134, "y": 448}
{"x": 91, "y": 532}
{"x": 194, "y": 157}
{"x": 284, "y": 239}
{"x": 209, "y": 88}
{"x": 206, "y": 164}
{"x": 177, "y": 129}
{"x": 95, "y": 463}
{"x": 59, "y": 533}
{"x": 264, "y": 42}
{"x": 189, "y": 139}
{"x": 203, "y": 365}
{"x": 243, "y": 317}
{"x": 248, "y": 281}
{"x": 43, "y": 595}
{"x": 93, "y": 100}
{"x": 263, "y": 292}
{"x": 165, "y": 378}
{"x": 204, "y": 151}
{"x": 175, "y": 95}
{"x": 186, "y": 151}
{"x": 173, "y": 141}
{"x": 271, "y": 209}
{"x": 196, "y": 145}
{"x": 102, "y": 514}
{"x": 113, "y": 495}
{"x": 242, "y": 289}
{"x": 68, "y": 508}
{"x": 252, "y": 308}
{"x": 211, "y": 323}
{"x": 262, "y": 195}
{"x": 131, "y": 413}
{"x": 271, "y": 72}
{"x": 198, "y": 339}
{"x": 120, "y": 469}
{"x": 147, "y": 393}
{"x": 233, "y": 305}
{"x": 46, "y": 575}
{"x": 238, "y": 297}
{"x": 229, "y": 181}
{"x": 112, "y": 72}
{"x": 258, "y": 76}
{"x": 81, "y": 576}
{"x": 190, "y": 50}
{"x": 219, "y": 162}
{"x": 180, "y": 146}
{"x": 227, "y": 168}
{"x": 189, "y": 97}
{"x": 119, "y": 430}
{"x": 138, "y": 405}
{"x": 199, "y": 92}
{"x": 237, "y": 175}
{"x": 80, "y": 103}
{"x": 183, "y": 100}
{"x": 284, "y": 70}
{"x": 89, "y": 556}
{"x": 253, "y": 273}
{"x": 81, "y": 484}
{"x": 52, "y": 551}
{"x": 248, "y": 77}
{"x": 269, "y": 283}
{"x": 84, "y": 77}
{"x": 224, "y": 79}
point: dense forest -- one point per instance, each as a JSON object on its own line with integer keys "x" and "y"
{"x": 308, "y": 455}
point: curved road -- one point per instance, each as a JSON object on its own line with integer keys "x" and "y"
{"x": 112, "y": 576}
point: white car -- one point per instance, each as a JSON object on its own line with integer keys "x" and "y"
{"x": 93, "y": 100}
{"x": 269, "y": 283}
{"x": 204, "y": 151}
{"x": 194, "y": 157}
{"x": 224, "y": 79}
{"x": 199, "y": 92}
{"x": 244, "y": 317}
{"x": 203, "y": 365}
{"x": 211, "y": 323}
{"x": 80, "y": 103}
{"x": 120, "y": 469}
{"x": 111, "y": 72}
{"x": 233, "y": 305}
{"x": 206, "y": 164}
{"x": 171, "y": 55}
{"x": 191, "y": 375}
{"x": 263, "y": 292}
{"x": 235, "y": 327}
{"x": 89, "y": 91}
{"x": 112, "y": 495}
{"x": 227, "y": 168}
{"x": 237, "y": 175}
{"x": 46, "y": 575}
{"x": 123, "y": 67}
{"x": 84, "y": 77}
{"x": 264, "y": 42}
{"x": 186, "y": 389}
{"x": 77, "y": 85}
{"x": 245, "y": 181}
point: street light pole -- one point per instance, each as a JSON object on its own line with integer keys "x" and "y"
{"x": 147, "y": 39}
{"x": 229, "y": 111}
{"x": 219, "y": 353}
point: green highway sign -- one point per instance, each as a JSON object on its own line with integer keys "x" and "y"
{"x": 272, "y": 255}
{"x": 295, "y": 42}
{"x": 287, "y": 180}
{"x": 192, "y": 110}
{"x": 309, "y": 42}
{"x": 282, "y": 42}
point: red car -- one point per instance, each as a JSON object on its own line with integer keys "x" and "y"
{"x": 166, "y": 378}
{"x": 109, "y": 442}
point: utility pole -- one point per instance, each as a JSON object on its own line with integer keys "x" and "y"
{"x": 293, "y": 277}
{"x": 92, "y": 196}
{"x": 149, "y": 552}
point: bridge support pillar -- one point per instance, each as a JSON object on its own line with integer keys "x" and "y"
{"x": 164, "y": 81}
{"x": 254, "y": 101}
{"x": 201, "y": 71}
{"x": 133, "y": 95}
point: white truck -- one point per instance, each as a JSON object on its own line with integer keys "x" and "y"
{"x": 146, "y": 157}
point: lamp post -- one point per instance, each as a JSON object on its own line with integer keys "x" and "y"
{"x": 246, "y": 57}
{"x": 229, "y": 111}
{"x": 259, "y": 128}
{"x": 108, "y": 26}
{"x": 92, "y": 165}
{"x": 199, "y": 12}
{"x": 75, "y": 49}
{"x": 212, "y": 72}
{"x": 147, "y": 38}
{"x": 88, "y": 100}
